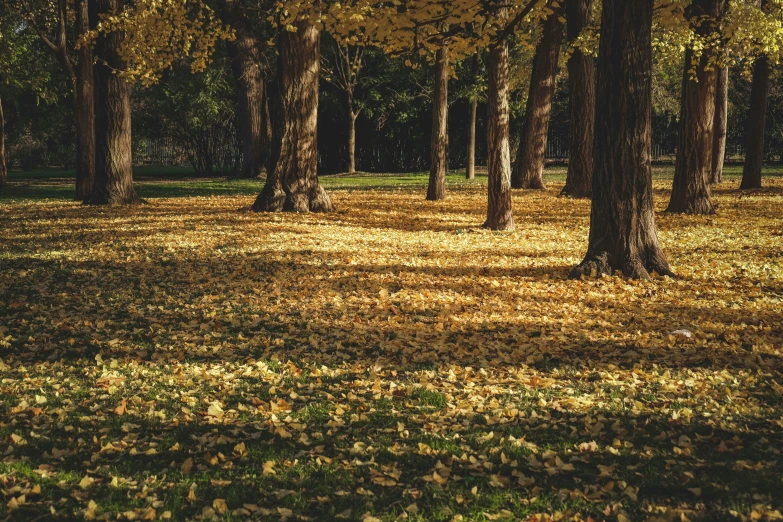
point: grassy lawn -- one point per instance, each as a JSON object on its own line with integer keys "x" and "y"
{"x": 189, "y": 360}
{"x": 174, "y": 182}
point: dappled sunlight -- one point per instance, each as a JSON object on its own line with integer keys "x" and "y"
{"x": 193, "y": 357}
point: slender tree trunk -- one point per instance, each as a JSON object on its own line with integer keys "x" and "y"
{"x": 470, "y": 170}
{"x": 693, "y": 167}
{"x": 499, "y": 216}
{"x": 720, "y": 125}
{"x": 757, "y": 121}
{"x": 351, "y": 136}
{"x": 623, "y": 233}
{"x": 113, "y": 150}
{"x": 293, "y": 184}
{"x": 529, "y": 164}
{"x": 436, "y": 190}
{"x": 85, "y": 109}
{"x": 3, "y": 164}
{"x": 246, "y": 63}
{"x": 581, "y": 78}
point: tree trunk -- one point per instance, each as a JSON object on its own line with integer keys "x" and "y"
{"x": 623, "y": 233}
{"x": 581, "y": 78}
{"x": 436, "y": 190}
{"x": 529, "y": 164}
{"x": 85, "y": 109}
{"x": 757, "y": 121}
{"x": 470, "y": 170}
{"x": 113, "y": 150}
{"x": 351, "y": 137}
{"x": 246, "y": 63}
{"x": 293, "y": 186}
{"x": 693, "y": 167}
{"x": 499, "y": 216}
{"x": 3, "y": 164}
{"x": 720, "y": 125}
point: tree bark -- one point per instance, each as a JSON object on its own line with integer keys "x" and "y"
{"x": 436, "y": 189}
{"x": 113, "y": 150}
{"x": 246, "y": 64}
{"x": 529, "y": 164}
{"x": 499, "y": 215}
{"x": 85, "y": 109}
{"x": 352, "y": 115}
{"x": 693, "y": 167}
{"x": 720, "y": 124}
{"x": 623, "y": 233}
{"x": 470, "y": 169}
{"x": 757, "y": 121}
{"x": 3, "y": 164}
{"x": 293, "y": 185}
{"x": 581, "y": 78}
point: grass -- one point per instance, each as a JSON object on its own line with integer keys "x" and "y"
{"x": 178, "y": 182}
{"x": 388, "y": 361}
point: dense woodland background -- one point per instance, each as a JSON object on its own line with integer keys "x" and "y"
{"x": 190, "y": 119}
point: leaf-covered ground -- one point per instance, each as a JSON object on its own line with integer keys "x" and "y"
{"x": 187, "y": 360}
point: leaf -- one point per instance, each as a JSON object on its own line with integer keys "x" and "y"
{"x": 122, "y": 408}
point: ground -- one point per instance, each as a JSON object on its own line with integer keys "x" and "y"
{"x": 188, "y": 359}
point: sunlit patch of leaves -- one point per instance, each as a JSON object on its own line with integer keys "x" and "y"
{"x": 185, "y": 359}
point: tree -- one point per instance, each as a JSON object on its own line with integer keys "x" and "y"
{"x": 529, "y": 165}
{"x": 293, "y": 183}
{"x": 757, "y": 118}
{"x": 436, "y": 189}
{"x": 581, "y": 92}
{"x": 113, "y": 182}
{"x": 3, "y": 164}
{"x": 342, "y": 71}
{"x": 623, "y": 233}
{"x": 247, "y": 64}
{"x": 720, "y": 124}
{"x": 693, "y": 167}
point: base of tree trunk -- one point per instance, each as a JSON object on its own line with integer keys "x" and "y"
{"x": 274, "y": 199}
{"x": 632, "y": 266}
{"x": 750, "y": 184}
{"x": 530, "y": 184}
{"x": 106, "y": 199}
{"x": 574, "y": 192}
{"x": 701, "y": 206}
{"x": 502, "y": 224}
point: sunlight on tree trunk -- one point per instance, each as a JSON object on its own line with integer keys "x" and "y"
{"x": 581, "y": 78}
{"x": 499, "y": 216}
{"x": 529, "y": 165}
{"x": 720, "y": 125}
{"x": 293, "y": 185}
{"x": 470, "y": 169}
{"x": 113, "y": 147}
{"x": 351, "y": 138}
{"x": 623, "y": 233}
{"x": 436, "y": 189}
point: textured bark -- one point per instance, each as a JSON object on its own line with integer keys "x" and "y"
{"x": 499, "y": 216}
{"x": 581, "y": 78}
{"x": 246, "y": 64}
{"x": 85, "y": 109}
{"x": 470, "y": 169}
{"x": 351, "y": 139}
{"x": 693, "y": 167}
{"x": 3, "y": 164}
{"x": 436, "y": 189}
{"x": 292, "y": 185}
{"x": 529, "y": 165}
{"x": 113, "y": 152}
{"x": 757, "y": 121}
{"x": 720, "y": 124}
{"x": 623, "y": 233}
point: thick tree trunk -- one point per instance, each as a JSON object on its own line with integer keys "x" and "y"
{"x": 246, "y": 63}
{"x": 3, "y": 164}
{"x": 351, "y": 137}
{"x": 623, "y": 233}
{"x": 436, "y": 190}
{"x": 757, "y": 121}
{"x": 470, "y": 169}
{"x": 113, "y": 151}
{"x": 720, "y": 125}
{"x": 85, "y": 109}
{"x": 529, "y": 164}
{"x": 581, "y": 78}
{"x": 693, "y": 167}
{"x": 499, "y": 216}
{"x": 292, "y": 185}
